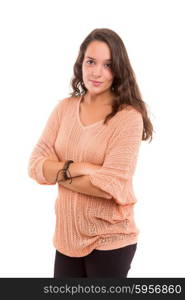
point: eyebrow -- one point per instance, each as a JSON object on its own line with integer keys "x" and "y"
{"x": 95, "y": 59}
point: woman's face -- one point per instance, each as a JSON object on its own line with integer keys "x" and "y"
{"x": 96, "y": 66}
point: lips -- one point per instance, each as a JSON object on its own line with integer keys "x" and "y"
{"x": 94, "y": 81}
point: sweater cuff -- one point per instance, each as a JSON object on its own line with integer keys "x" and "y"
{"x": 39, "y": 172}
{"x": 111, "y": 186}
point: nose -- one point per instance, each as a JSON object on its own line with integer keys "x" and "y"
{"x": 97, "y": 71}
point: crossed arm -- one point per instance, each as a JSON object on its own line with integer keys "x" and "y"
{"x": 83, "y": 185}
{"x": 118, "y": 166}
{"x": 80, "y": 177}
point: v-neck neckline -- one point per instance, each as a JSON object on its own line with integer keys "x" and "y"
{"x": 78, "y": 117}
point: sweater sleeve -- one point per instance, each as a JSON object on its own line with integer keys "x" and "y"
{"x": 44, "y": 148}
{"x": 120, "y": 158}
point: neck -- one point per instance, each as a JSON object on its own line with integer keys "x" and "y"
{"x": 98, "y": 99}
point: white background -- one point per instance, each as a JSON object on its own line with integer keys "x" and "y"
{"x": 39, "y": 45}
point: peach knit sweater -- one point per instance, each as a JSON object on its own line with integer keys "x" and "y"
{"x": 83, "y": 222}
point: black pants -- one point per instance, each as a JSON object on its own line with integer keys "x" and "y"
{"x": 99, "y": 263}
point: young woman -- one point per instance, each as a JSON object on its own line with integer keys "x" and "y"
{"x": 89, "y": 148}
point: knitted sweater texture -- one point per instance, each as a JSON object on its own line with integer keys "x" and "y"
{"x": 84, "y": 222}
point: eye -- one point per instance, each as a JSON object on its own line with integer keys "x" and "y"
{"x": 109, "y": 65}
{"x": 90, "y": 60}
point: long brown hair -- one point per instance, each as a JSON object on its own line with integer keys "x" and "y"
{"x": 124, "y": 84}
